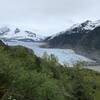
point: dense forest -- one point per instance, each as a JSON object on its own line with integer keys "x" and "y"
{"x": 24, "y": 76}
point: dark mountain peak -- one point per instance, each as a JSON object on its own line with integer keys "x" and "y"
{"x": 31, "y": 34}
{"x": 17, "y": 30}
{"x": 87, "y": 22}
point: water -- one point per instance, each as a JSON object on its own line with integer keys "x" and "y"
{"x": 64, "y": 55}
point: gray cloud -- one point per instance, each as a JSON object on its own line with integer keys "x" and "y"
{"x": 48, "y": 16}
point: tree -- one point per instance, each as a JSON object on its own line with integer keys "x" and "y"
{"x": 81, "y": 90}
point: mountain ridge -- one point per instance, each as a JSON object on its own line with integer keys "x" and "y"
{"x": 83, "y": 38}
{"x": 77, "y": 30}
{"x": 17, "y": 33}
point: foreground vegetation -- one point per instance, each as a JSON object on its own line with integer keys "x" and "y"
{"x": 23, "y": 76}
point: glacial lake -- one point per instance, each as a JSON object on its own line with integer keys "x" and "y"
{"x": 64, "y": 56}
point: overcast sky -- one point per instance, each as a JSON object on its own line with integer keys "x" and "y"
{"x": 48, "y": 16}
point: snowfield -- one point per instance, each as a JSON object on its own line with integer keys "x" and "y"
{"x": 15, "y": 33}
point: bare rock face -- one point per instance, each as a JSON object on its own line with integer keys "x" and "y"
{"x": 31, "y": 34}
{"x": 85, "y": 35}
{"x": 17, "y": 30}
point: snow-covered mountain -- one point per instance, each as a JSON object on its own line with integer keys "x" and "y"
{"x": 84, "y": 27}
{"x": 16, "y": 33}
{"x": 83, "y": 34}
{"x": 87, "y": 25}
{"x": 84, "y": 38}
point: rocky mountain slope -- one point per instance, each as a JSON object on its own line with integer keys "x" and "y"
{"x": 84, "y": 37}
{"x": 85, "y": 34}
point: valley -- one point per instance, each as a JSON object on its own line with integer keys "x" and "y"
{"x": 25, "y": 76}
{"x": 49, "y": 50}
{"x": 64, "y": 56}
{"x": 79, "y": 43}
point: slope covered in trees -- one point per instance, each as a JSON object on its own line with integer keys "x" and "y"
{"x": 24, "y": 76}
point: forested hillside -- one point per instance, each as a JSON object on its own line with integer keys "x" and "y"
{"x": 24, "y": 76}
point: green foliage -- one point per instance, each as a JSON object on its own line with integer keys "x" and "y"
{"x": 23, "y": 76}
